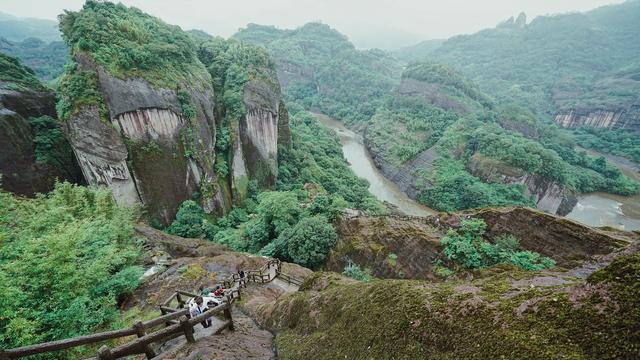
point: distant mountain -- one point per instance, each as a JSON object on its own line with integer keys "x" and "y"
{"x": 582, "y": 66}
{"x": 46, "y": 59}
{"x": 18, "y": 29}
{"x": 380, "y": 37}
{"x": 320, "y": 68}
{"x": 418, "y": 51}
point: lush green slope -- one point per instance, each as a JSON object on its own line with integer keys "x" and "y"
{"x": 66, "y": 259}
{"x": 319, "y": 67}
{"x": 438, "y": 108}
{"x": 130, "y": 43}
{"x": 555, "y": 62}
{"x": 46, "y": 59}
{"x": 15, "y": 76}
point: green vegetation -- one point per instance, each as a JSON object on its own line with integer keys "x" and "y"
{"x": 355, "y": 272}
{"x": 51, "y": 146}
{"x": 316, "y": 158}
{"x": 129, "y": 43}
{"x": 468, "y": 249}
{"x": 475, "y": 144}
{"x": 314, "y": 185}
{"x": 452, "y": 188}
{"x": 616, "y": 142}
{"x": 333, "y": 318}
{"x": 46, "y": 59}
{"x": 328, "y": 73}
{"x": 17, "y": 75}
{"x": 67, "y": 259}
{"x": 554, "y": 62}
{"x": 79, "y": 88}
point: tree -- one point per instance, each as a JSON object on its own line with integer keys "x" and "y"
{"x": 188, "y": 222}
{"x": 310, "y": 241}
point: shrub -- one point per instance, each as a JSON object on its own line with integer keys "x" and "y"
{"x": 355, "y": 272}
{"x": 310, "y": 241}
{"x": 66, "y": 260}
{"x": 188, "y": 222}
{"x": 471, "y": 251}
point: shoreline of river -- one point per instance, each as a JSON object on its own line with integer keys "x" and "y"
{"x": 363, "y": 165}
{"x": 596, "y": 209}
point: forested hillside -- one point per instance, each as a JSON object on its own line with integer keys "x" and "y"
{"x": 46, "y": 59}
{"x": 556, "y": 62}
{"x": 436, "y": 133}
{"x": 320, "y": 68}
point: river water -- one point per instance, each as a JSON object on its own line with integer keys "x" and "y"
{"x": 598, "y": 209}
{"x": 358, "y": 157}
{"x": 602, "y": 209}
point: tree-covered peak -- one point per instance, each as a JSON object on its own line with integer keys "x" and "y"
{"x": 447, "y": 77}
{"x": 129, "y": 43}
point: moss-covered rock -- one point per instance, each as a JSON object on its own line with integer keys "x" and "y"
{"x": 505, "y": 312}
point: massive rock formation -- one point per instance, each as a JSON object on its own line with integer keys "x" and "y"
{"x": 408, "y": 247}
{"x": 148, "y": 152}
{"x": 27, "y": 117}
{"x": 150, "y": 133}
{"x": 624, "y": 119}
{"x": 547, "y": 194}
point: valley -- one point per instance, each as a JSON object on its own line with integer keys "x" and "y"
{"x": 360, "y": 161}
{"x": 282, "y": 193}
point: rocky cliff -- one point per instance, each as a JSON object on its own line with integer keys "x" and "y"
{"x": 547, "y": 194}
{"x": 148, "y": 151}
{"x": 585, "y": 313}
{"x": 33, "y": 152}
{"x": 150, "y": 130}
{"x": 627, "y": 119}
{"x": 408, "y": 247}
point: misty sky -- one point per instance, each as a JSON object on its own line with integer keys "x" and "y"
{"x": 428, "y": 19}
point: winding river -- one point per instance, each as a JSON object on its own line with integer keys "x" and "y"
{"x": 356, "y": 154}
{"x": 598, "y": 209}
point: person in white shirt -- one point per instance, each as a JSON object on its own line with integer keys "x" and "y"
{"x": 197, "y": 307}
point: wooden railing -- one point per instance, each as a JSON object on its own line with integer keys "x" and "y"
{"x": 175, "y": 319}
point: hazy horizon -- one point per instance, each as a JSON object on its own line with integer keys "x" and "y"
{"x": 384, "y": 21}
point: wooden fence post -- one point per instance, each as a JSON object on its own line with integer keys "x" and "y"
{"x": 139, "y": 328}
{"x": 104, "y": 353}
{"x": 227, "y": 315}
{"x": 187, "y": 329}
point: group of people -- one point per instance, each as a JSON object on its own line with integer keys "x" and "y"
{"x": 207, "y": 299}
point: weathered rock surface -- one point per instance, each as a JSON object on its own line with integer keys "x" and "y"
{"x": 547, "y": 194}
{"x": 404, "y": 175}
{"x": 21, "y": 172}
{"x": 408, "y": 246}
{"x": 191, "y": 263}
{"x": 148, "y": 152}
{"x": 510, "y": 312}
{"x": 624, "y": 119}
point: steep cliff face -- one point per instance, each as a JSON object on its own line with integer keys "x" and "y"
{"x": 148, "y": 151}
{"x": 628, "y": 119}
{"x": 166, "y": 123}
{"x": 33, "y": 152}
{"x": 547, "y": 194}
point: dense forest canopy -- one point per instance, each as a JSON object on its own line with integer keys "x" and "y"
{"x": 555, "y": 62}
{"x": 320, "y": 68}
